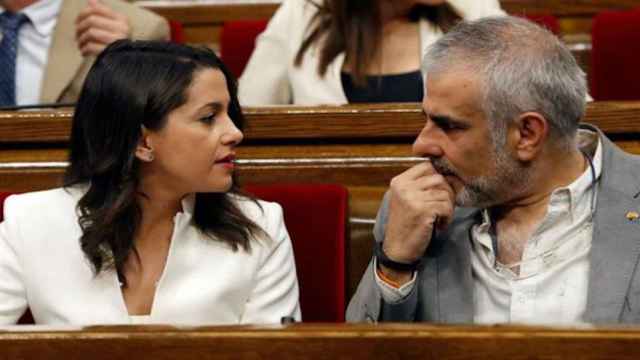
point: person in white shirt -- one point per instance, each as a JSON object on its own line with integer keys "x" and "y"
{"x": 60, "y": 39}
{"x": 519, "y": 213}
{"x": 150, "y": 225}
{"x": 341, "y": 51}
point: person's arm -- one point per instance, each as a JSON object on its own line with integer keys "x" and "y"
{"x": 265, "y": 80}
{"x": 100, "y": 24}
{"x": 275, "y": 294}
{"x": 418, "y": 200}
{"x": 97, "y": 26}
{"x": 13, "y": 299}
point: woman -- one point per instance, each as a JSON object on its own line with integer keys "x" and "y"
{"x": 150, "y": 226}
{"x": 345, "y": 51}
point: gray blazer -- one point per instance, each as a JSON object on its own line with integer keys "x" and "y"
{"x": 444, "y": 291}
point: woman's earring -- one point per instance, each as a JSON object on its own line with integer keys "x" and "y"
{"x": 150, "y": 157}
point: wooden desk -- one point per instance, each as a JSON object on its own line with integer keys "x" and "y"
{"x": 362, "y": 147}
{"x": 307, "y": 341}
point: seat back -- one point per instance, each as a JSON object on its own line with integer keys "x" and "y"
{"x": 615, "y": 55}
{"x": 177, "y": 34}
{"x": 316, "y": 218}
{"x": 237, "y": 41}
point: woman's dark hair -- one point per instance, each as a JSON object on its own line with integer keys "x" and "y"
{"x": 355, "y": 28}
{"x": 134, "y": 84}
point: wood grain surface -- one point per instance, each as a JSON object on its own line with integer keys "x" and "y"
{"x": 320, "y": 341}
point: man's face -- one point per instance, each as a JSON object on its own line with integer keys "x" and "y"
{"x": 458, "y": 139}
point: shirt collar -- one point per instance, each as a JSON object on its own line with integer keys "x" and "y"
{"x": 579, "y": 189}
{"x": 188, "y": 204}
{"x": 43, "y": 15}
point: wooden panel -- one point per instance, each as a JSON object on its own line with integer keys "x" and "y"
{"x": 191, "y": 12}
{"x": 383, "y": 122}
{"x": 311, "y": 341}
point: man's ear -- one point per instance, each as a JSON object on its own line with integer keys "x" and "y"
{"x": 529, "y": 132}
{"x": 144, "y": 150}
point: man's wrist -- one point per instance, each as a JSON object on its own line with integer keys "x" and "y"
{"x": 394, "y": 278}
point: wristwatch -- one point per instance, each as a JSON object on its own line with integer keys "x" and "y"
{"x": 394, "y": 265}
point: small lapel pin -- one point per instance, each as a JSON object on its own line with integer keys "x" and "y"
{"x": 632, "y": 215}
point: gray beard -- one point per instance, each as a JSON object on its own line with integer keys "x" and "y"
{"x": 510, "y": 178}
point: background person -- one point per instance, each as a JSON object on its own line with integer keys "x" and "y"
{"x": 150, "y": 226}
{"x": 340, "y": 51}
{"x": 520, "y": 214}
{"x": 54, "y": 42}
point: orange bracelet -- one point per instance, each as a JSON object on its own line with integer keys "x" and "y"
{"x": 386, "y": 279}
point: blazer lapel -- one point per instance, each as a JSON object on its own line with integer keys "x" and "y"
{"x": 615, "y": 247}
{"x": 64, "y": 59}
{"x": 455, "y": 282}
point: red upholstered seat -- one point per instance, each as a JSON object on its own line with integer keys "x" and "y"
{"x": 316, "y": 217}
{"x": 615, "y": 55}
{"x": 177, "y": 35}
{"x": 237, "y": 41}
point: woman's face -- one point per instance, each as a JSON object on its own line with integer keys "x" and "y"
{"x": 194, "y": 151}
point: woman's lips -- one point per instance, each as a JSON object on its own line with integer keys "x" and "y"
{"x": 227, "y": 161}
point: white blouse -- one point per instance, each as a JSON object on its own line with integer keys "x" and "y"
{"x": 42, "y": 267}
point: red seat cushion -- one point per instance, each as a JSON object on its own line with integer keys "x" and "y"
{"x": 316, "y": 218}
{"x": 237, "y": 41}
{"x": 615, "y": 56}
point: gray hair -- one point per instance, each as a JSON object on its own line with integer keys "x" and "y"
{"x": 522, "y": 67}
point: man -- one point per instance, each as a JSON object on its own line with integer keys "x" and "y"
{"x": 517, "y": 214}
{"x": 54, "y": 42}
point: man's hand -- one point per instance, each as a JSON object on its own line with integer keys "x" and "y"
{"x": 420, "y": 199}
{"x": 97, "y": 26}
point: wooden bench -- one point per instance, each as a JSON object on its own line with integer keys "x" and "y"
{"x": 361, "y": 147}
{"x": 311, "y": 341}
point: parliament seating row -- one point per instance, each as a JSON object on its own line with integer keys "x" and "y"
{"x": 359, "y": 147}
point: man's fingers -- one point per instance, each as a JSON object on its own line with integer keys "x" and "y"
{"x": 103, "y": 37}
{"x": 92, "y": 49}
{"x": 99, "y": 9}
{"x": 422, "y": 169}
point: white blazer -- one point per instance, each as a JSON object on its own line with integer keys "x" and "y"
{"x": 204, "y": 282}
{"x": 272, "y": 78}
